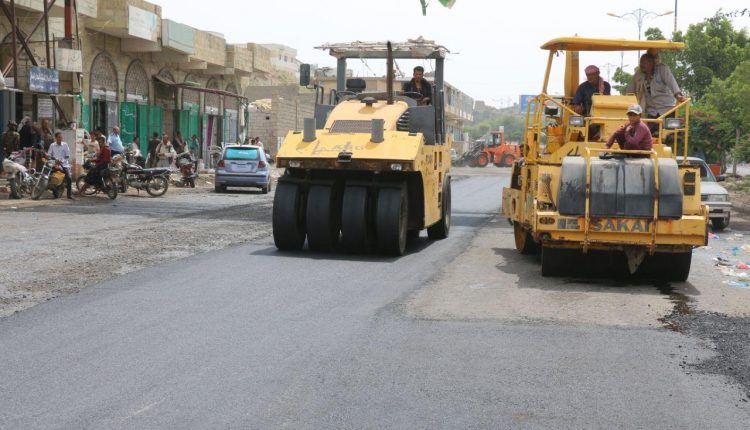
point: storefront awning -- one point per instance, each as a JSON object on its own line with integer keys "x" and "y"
{"x": 165, "y": 81}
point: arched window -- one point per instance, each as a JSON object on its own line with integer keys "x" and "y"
{"x": 136, "y": 83}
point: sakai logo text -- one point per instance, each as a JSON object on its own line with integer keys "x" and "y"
{"x": 607, "y": 225}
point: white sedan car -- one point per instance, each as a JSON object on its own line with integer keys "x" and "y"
{"x": 713, "y": 195}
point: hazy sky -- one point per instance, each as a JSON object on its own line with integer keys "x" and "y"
{"x": 496, "y": 42}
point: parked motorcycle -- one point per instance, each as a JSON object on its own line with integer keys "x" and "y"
{"x": 186, "y": 163}
{"x": 154, "y": 181}
{"x": 18, "y": 176}
{"x": 133, "y": 155}
{"x": 50, "y": 178}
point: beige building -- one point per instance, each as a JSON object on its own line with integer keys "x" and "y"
{"x": 284, "y": 62}
{"x": 135, "y": 69}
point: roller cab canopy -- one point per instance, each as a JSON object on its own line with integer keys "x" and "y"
{"x": 586, "y": 44}
{"x": 574, "y": 44}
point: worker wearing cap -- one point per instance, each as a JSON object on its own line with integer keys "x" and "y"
{"x": 594, "y": 84}
{"x": 633, "y": 136}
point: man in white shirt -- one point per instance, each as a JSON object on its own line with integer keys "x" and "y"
{"x": 60, "y": 151}
{"x": 115, "y": 142}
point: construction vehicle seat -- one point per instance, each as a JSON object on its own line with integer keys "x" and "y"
{"x": 610, "y": 112}
{"x": 356, "y": 85}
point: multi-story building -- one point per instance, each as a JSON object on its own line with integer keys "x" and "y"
{"x": 284, "y": 62}
{"x": 127, "y": 66}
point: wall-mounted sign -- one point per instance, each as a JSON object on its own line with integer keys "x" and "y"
{"x": 179, "y": 37}
{"x": 142, "y": 24}
{"x": 68, "y": 60}
{"x": 43, "y": 80}
{"x": 45, "y": 108}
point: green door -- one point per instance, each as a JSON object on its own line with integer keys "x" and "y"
{"x": 184, "y": 124}
{"x": 144, "y": 131}
{"x": 154, "y": 120}
{"x": 127, "y": 122}
{"x": 86, "y": 116}
{"x": 193, "y": 122}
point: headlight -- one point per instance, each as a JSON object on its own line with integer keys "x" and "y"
{"x": 576, "y": 121}
{"x": 396, "y": 167}
{"x": 672, "y": 123}
{"x": 715, "y": 197}
{"x": 295, "y": 163}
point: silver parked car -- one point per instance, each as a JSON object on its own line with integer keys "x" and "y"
{"x": 243, "y": 166}
{"x": 713, "y": 195}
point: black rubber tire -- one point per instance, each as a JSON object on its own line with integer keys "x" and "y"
{"x": 110, "y": 188}
{"x": 220, "y": 188}
{"x": 508, "y": 159}
{"x": 288, "y": 217}
{"x": 442, "y": 228}
{"x": 39, "y": 189}
{"x": 412, "y": 234}
{"x": 524, "y": 240}
{"x": 392, "y": 220}
{"x": 90, "y": 191}
{"x": 482, "y": 160}
{"x": 676, "y": 266}
{"x": 160, "y": 187}
{"x": 357, "y": 228}
{"x": 719, "y": 223}
{"x": 323, "y": 217}
{"x": 554, "y": 261}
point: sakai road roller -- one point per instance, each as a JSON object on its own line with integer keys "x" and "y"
{"x": 641, "y": 208}
{"x": 371, "y": 169}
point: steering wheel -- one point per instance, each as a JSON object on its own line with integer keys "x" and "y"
{"x": 341, "y": 94}
{"x": 413, "y": 95}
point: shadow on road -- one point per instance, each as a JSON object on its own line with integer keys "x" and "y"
{"x": 414, "y": 246}
{"x": 606, "y": 271}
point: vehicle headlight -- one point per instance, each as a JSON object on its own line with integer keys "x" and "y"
{"x": 715, "y": 197}
{"x": 576, "y": 121}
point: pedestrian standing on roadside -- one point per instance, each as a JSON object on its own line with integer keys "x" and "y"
{"x": 165, "y": 153}
{"x": 115, "y": 142}
{"x": 26, "y": 133}
{"x": 47, "y": 135}
{"x": 179, "y": 143}
{"x": 60, "y": 151}
{"x": 152, "y": 144}
{"x": 10, "y": 141}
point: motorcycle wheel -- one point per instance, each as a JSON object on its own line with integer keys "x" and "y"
{"x": 110, "y": 187}
{"x": 90, "y": 191}
{"x": 39, "y": 189}
{"x": 156, "y": 186}
{"x": 192, "y": 183}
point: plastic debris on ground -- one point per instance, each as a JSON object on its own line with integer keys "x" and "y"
{"x": 743, "y": 266}
{"x": 713, "y": 236}
{"x": 721, "y": 261}
{"x": 737, "y": 284}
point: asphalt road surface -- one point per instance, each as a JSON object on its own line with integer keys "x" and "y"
{"x": 248, "y": 337}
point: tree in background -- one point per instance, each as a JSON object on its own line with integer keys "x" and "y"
{"x": 730, "y": 98}
{"x": 510, "y": 118}
{"x": 447, "y": 3}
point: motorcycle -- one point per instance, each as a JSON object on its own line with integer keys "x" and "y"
{"x": 105, "y": 184}
{"x": 18, "y": 176}
{"x": 50, "y": 178}
{"x": 186, "y": 163}
{"x": 154, "y": 181}
{"x": 133, "y": 156}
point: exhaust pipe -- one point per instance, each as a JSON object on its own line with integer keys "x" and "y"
{"x": 309, "y": 130}
{"x": 378, "y": 125}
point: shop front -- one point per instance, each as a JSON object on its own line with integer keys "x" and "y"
{"x": 105, "y": 110}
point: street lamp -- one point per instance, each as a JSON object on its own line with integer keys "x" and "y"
{"x": 640, "y": 15}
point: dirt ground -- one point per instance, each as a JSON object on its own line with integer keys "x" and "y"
{"x": 54, "y": 247}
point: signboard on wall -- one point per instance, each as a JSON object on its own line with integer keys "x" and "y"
{"x": 177, "y": 36}
{"x": 45, "y": 108}
{"x": 142, "y": 24}
{"x": 44, "y": 80}
{"x": 68, "y": 60}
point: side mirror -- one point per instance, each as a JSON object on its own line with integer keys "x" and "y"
{"x": 721, "y": 178}
{"x": 304, "y": 75}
